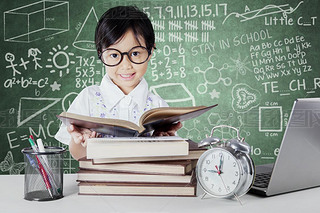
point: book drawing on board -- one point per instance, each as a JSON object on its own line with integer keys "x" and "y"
{"x": 119, "y": 147}
{"x": 150, "y": 120}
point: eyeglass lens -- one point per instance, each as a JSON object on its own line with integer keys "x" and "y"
{"x": 112, "y": 57}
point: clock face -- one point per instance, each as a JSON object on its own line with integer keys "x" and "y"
{"x": 218, "y": 172}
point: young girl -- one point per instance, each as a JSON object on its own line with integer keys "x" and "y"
{"x": 125, "y": 42}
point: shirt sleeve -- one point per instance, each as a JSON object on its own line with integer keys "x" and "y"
{"x": 80, "y": 105}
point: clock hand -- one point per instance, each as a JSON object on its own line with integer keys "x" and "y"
{"x": 211, "y": 170}
{"x": 218, "y": 171}
{"x": 221, "y": 163}
{"x": 234, "y": 194}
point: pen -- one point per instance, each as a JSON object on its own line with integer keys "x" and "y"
{"x": 41, "y": 149}
{"x": 44, "y": 177}
{"x": 40, "y": 145}
{"x": 33, "y": 145}
{"x": 45, "y": 164}
{"x": 43, "y": 167}
{"x": 32, "y": 162}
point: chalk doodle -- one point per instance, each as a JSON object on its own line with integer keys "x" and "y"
{"x": 8, "y": 165}
{"x": 45, "y": 19}
{"x": 84, "y": 39}
{"x": 267, "y": 10}
{"x": 55, "y": 86}
{"x": 67, "y": 100}
{"x": 185, "y": 96}
{"x": 240, "y": 66}
{"x": 270, "y": 119}
{"x": 244, "y": 98}
{"x": 214, "y": 94}
{"x": 61, "y": 54}
{"x": 24, "y": 63}
{"x": 193, "y": 132}
{"x": 215, "y": 119}
{"x": 33, "y": 52}
{"x": 212, "y": 75}
{"x": 9, "y": 57}
{"x": 21, "y": 121}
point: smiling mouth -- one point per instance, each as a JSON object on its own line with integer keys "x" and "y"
{"x": 127, "y": 76}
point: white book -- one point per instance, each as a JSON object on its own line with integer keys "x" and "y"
{"x": 119, "y": 147}
{"x": 104, "y": 176}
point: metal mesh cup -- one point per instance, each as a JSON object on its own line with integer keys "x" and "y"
{"x": 43, "y": 174}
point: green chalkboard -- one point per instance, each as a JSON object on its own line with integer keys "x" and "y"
{"x": 253, "y": 58}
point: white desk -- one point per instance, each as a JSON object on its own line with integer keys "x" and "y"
{"x": 12, "y": 189}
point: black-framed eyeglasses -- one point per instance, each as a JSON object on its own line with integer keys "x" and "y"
{"x": 137, "y": 55}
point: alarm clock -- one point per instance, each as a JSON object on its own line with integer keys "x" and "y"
{"x": 226, "y": 169}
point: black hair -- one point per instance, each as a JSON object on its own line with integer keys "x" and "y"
{"x": 115, "y": 22}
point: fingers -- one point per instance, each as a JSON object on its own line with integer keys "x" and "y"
{"x": 80, "y": 135}
{"x": 176, "y": 127}
{"x": 86, "y": 136}
{"x": 164, "y": 134}
{"x": 168, "y": 133}
{"x": 70, "y": 128}
{"x": 93, "y": 134}
{"x": 171, "y": 131}
{"x": 75, "y": 134}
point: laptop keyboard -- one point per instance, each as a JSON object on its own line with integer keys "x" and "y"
{"x": 262, "y": 180}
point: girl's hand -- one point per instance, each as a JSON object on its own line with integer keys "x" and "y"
{"x": 168, "y": 131}
{"x": 80, "y": 135}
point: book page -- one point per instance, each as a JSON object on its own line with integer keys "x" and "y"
{"x": 93, "y": 122}
{"x": 165, "y": 112}
{"x": 139, "y": 139}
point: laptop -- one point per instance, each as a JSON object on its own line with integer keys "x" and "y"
{"x": 297, "y": 166}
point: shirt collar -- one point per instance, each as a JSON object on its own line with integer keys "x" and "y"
{"x": 113, "y": 94}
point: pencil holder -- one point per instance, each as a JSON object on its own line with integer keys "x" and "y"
{"x": 43, "y": 174}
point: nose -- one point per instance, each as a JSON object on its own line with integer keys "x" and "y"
{"x": 126, "y": 62}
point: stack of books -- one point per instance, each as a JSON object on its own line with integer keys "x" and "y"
{"x": 138, "y": 165}
{"x": 153, "y": 166}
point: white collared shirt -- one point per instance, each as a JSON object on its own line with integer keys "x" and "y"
{"x": 108, "y": 101}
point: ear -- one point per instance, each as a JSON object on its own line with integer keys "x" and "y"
{"x": 154, "y": 47}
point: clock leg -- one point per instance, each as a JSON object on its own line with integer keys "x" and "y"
{"x": 204, "y": 194}
{"x": 237, "y": 198}
{"x": 234, "y": 194}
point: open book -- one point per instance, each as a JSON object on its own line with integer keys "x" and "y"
{"x": 150, "y": 120}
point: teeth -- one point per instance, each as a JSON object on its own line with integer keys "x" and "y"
{"x": 126, "y": 75}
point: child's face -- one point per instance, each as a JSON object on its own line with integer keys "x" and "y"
{"x": 127, "y": 75}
